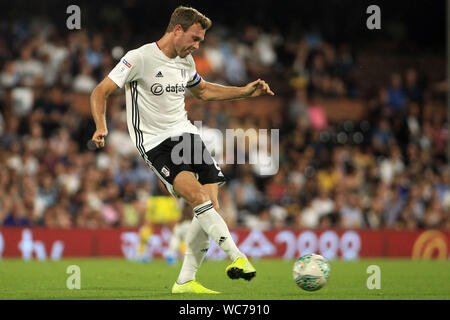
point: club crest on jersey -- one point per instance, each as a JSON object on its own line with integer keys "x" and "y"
{"x": 165, "y": 171}
{"x": 125, "y": 62}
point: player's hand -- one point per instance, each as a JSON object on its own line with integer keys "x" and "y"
{"x": 99, "y": 137}
{"x": 258, "y": 88}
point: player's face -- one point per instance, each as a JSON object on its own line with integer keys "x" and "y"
{"x": 188, "y": 41}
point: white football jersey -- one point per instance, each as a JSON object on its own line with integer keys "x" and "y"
{"x": 154, "y": 87}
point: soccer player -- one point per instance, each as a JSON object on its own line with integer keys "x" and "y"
{"x": 155, "y": 77}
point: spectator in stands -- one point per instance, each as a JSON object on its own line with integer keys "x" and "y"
{"x": 394, "y": 204}
{"x": 351, "y": 213}
{"x": 16, "y": 214}
{"x": 316, "y": 113}
{"x": 84, "y": 82}
{"x": 396, "y": 96}
{"x": 246, "y": 194}
{"x": 29, "y": 69}
{"x": 297, "y": 108}
{"x": 235, "y": 68}
{"x": 215, "y": 55}
{"x": 411, "y": 87}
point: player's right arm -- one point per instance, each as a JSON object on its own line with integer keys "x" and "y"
{"x": 99, "y": 97}
{"x": 127, "y": 69}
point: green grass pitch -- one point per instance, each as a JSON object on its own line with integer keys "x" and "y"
{"x": 105, "y": 279}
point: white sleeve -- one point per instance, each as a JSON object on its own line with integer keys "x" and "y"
{"x": 194, "y": 78}
{"x": 128, "y": 69}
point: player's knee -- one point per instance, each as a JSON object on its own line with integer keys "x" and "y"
{"x": 199, "y": 196}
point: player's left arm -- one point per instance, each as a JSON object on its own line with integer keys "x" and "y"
{"x": 208, "y": 91}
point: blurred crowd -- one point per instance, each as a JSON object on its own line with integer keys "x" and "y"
{"x": 389, "y": 170}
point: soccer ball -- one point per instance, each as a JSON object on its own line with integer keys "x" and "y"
{"x": 311, "y": 272}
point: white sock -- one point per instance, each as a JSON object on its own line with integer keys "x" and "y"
{"x": 197, "y": 243}
{"x": 217, "y": 229}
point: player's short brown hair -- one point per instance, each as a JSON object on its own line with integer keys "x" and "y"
{"x": 186, "y": 17}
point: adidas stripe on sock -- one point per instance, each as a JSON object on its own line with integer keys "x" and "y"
{"x": 214, "y": 225}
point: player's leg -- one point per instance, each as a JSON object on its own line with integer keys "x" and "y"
{"x": 241, "y": 267}
{"x": 160, "y": 160}
{"x": 188, "y": 187}
{"x": 197, "y": 240}
{"x": 211, "y": 177}
{"x": 197, "y": 244}
{"x": 212, "y": 189}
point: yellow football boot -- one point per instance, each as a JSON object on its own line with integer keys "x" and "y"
{"x": 241, "y": 268}
{"x": 191, "y": 287}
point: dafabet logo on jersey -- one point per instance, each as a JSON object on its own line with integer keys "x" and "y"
{"x": 175, "y": 88}
{"x": 157, "y": 88}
